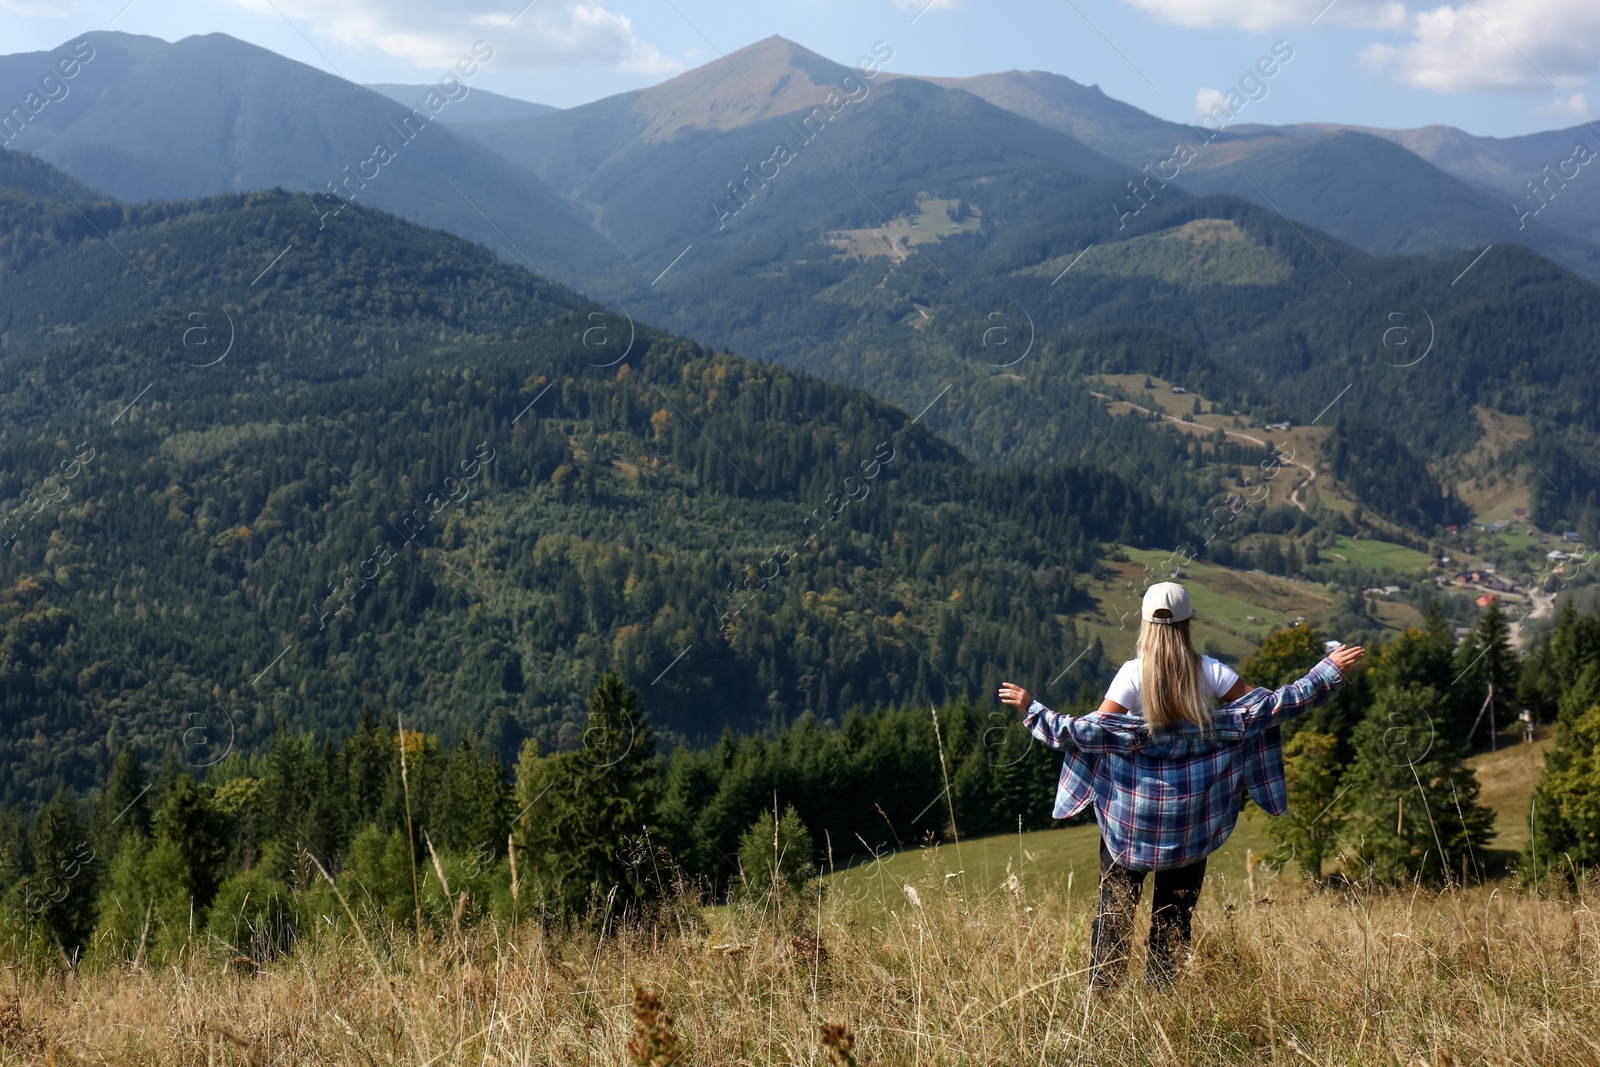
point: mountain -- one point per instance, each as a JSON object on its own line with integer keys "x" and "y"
{"x": 28, "y": 174}
{"x": 1447, "y": 189}
{"x": 147, "y": 120}
{"x": 772, "y": 78}
{"x": 242, "y": 489}
{"x": 1376, "y": 194}
{"x": 894, "y": 234}
{"x": 1109, "y": 126}
{"x": 1506, "y": 165}
{"x": 887, "y": 249}
{"x": 479, "y": 105}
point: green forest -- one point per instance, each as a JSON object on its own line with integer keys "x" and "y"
{"x": 273, "y": 472}
{"x": 393, "y": 826}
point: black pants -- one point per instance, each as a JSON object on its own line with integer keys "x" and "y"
{"x": 1173, "y": 904}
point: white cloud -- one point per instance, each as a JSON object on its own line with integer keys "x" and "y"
{"x": 1261, "y": 16}
{"x": 547, "y": 33}
{"x": 1453, "y": 47}
{"x": 1575, "y": 106}
{"x": 39, "y": 8}
{"x": 1495, "y": 44}
{"x": 928, "y": 5}
{"x": 1208, "y": 99}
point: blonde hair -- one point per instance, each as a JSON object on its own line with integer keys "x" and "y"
{"x": 1169, "y": 677}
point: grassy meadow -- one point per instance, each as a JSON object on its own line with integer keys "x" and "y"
{"x": 950, "y": 974}
{"x": 940, "y": 955}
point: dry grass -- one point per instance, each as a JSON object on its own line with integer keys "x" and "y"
{"x": 1484, "y": 975}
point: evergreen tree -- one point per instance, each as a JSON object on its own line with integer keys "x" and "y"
{"x": 192, "y": 824}
{"x": 60, "y": 891}
{"x": 370, "y": 762}
{"x": 777, "y": 855}
{"x": 124, "y": 806}
{"x": 1565, "y": 814}
{"x": 600, "y": 801}
{"x": 1413, "y": 804}
{"x": 1484, "y": 663}
{"x": 472, "y": 811}
{"x": 1309, "y": 831}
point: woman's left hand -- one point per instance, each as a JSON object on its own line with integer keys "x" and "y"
{"x": 1015, "y": 695}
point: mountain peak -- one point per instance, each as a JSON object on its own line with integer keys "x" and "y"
{"x": 773, "y": 76}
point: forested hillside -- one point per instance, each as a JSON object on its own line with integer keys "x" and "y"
{"x": 257, "y": 471}
{"x": 937, "y": 247}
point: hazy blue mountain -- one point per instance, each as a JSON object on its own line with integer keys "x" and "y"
{"x": 1375, "y": 194}
{"x": 770, "y": 78}
{"x": 1107, "y": 125}
{"x": 148, "y": 120}
{"x": 697, "y": 158}
{"x": 479, "y": 105}
{"x": 1506, "y": 165}
{"x": 1383, "y": 202}
{"x": 18, "y": 170}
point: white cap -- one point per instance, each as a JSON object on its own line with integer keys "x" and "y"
{"x": 1166, "y": 602}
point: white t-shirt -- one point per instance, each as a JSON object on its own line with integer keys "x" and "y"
{"x": 1216, "y": 678}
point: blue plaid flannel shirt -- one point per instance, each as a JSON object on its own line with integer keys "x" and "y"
{"x": 1171, "y": 799}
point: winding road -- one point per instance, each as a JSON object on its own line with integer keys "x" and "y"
{"x": 1294, "y": 494}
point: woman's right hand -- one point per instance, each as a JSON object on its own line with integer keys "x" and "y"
{"x": 1015, "y": 695}
{"x": 1347, "y": 658}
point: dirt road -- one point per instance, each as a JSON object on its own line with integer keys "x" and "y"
{"x": 1294, "y": 494}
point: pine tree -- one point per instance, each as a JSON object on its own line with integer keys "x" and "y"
{"x": 600, "y": 801}
{"x": 1484, "y": 663}
{"x": 188, "y": 820}
{"x": 471, "y": 812}
{"x": 1414, "y": 809}
{"x": 1309, "y": 831}
{"x": 369, "y": 756}
{"x": 60, "y": 891}
{"x": 778, "y": 857}
{"x": 124, "y": 805}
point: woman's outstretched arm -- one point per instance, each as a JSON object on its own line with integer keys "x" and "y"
{"x": 1298, "y": 697}
{"x": 1051, "y": 727}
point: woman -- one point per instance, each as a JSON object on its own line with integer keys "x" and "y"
{"x": 1167, "y": 773}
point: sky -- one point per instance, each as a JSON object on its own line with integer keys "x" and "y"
{"x": 1491, "y": 67}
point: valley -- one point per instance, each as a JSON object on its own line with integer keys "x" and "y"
{"x": 461, "y": 599}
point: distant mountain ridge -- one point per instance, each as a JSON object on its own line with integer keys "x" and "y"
{"x": 868, "y": 226}
{"x": 1517, "y": 167}
{"x": 479, "y": 105}
{"x": 149, "y": 120}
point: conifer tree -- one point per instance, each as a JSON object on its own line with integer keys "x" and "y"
{"x": 1484, "y": 662}
{"x": 124, "y": 805}
{"x": 189, "y": 820}
{"x": 600, "y": 801}
{"x": 370, "y": 762}
{"x": 780, "y": 856}
{"x": 471, "y": 812}
{"x": 1413, "y": 804}
{"x": 1309, "y": 831}
{"x": 60, "y": 891}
